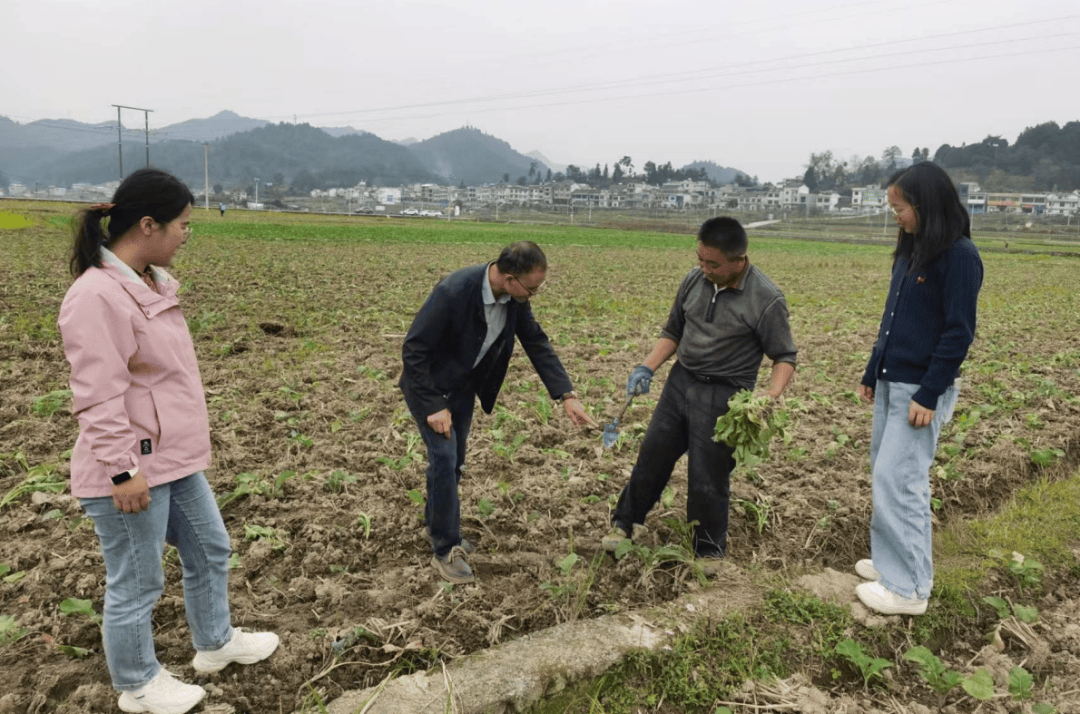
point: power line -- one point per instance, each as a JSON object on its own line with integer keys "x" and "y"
{"x": 697, "y": 73}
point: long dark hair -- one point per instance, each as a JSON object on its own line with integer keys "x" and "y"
{"x": 146, "y": 192}
{"x": 942, "y": 218}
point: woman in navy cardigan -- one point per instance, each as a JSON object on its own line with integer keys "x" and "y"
{"x": 913, "y": 379}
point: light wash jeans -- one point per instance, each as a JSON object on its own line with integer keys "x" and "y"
{"x": 184, "y": 514}
{"x": 901, "y": 537}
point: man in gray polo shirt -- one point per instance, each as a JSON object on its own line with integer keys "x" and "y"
{"x": 726, "y": 316}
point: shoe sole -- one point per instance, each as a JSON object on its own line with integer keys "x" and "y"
{"x": 455, "y": 579}
{"x": 215, "y": 668}
{"x": 133, "y": 706}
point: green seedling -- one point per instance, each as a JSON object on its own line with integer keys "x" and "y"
{"x": 757, "y": 512}
{"x": 74, "y": 652}
{"x": 338, "y": 480}
{"x": 247, "y": 483}
{"x": 234, "y": 561}
{"x": 998, "y": 604}
{"x": 49, "y": 404}
{"x": 75, "y": 606}
{"x": 567, "y": 564}
{"x": 1046, "y": 457}
{"x": 1028, "y": 572}
{"x": 486, "y": 508}
{"x": 10, "y": 632}
{"x": 542, "y": 407}
{"x": 39, "y": 478}
{"x": 1020, "y": 683}
{"x": 507, "y": 451}
{"x": 932, "y": 670}
{"x": 416, "y": 496}
{"x": 979, "y": 685}
{"x": 364, "y": 521}
{"x": 869, "y": 667}
{"x": 272, "y": 536}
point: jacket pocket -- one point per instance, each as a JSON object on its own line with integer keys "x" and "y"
{"x": 143, "y": 414}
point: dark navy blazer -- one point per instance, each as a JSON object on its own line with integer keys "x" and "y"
{"x": 446, "y": 336}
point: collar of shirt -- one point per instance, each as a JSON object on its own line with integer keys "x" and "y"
{"x": 107, "y": 256}
{"x": 489, "y": 294}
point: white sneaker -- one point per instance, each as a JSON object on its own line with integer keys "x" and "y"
{"x": 164, "y": 694}
{"x": 877, "y": 598}
{"x": 866, "y": 570}
{"x": 242, "y": 647}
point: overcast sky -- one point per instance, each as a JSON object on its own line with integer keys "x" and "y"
{"x": 756, "y": 85}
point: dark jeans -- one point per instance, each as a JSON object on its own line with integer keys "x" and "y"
{"x": 445, "y": 459}
{"x": 684, "y": 423}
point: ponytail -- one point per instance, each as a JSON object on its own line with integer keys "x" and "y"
{"x": 90, "y": 235}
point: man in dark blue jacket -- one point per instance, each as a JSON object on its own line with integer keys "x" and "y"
{"x": 458, "y": 349}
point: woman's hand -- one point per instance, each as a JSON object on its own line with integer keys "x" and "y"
{"x": 132, "y": 495}
{"x": 918, "y": 415}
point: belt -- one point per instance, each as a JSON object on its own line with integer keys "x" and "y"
{"x": 709, "y": 379}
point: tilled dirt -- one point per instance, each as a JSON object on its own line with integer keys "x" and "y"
{"x": 299, "y": 347}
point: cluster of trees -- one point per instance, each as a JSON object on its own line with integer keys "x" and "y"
{"x": 652, "y": 174}
{"x": 1045, "y": 157}
{"x": 824, "y": 172}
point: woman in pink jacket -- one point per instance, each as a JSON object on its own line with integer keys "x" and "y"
{"x": 144, "y": 441}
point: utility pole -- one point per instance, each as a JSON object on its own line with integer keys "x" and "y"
{"x": 206, "y": 171}
{"x": 146, "y": 114}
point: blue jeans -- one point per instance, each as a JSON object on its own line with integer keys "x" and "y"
{"x": 446, "y": 456}
{"x": 684, "y": 422}
{"x": 901, "y": 538}
{"x": 184, "y": 514}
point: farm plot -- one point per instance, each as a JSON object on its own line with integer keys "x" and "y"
{"x": 319, "y": 470}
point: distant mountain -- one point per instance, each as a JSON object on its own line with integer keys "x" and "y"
{"x": 407, "y": 142}
{"x": 470, "y": 155}
{"x": 715, "y": 172}
{"x": 219, "y": 126}
{"x": 555, "y": 168}
{"x": 301, "y": 156}
{"x": 336, "y": 131}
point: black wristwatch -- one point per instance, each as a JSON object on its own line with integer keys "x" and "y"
{"x": 121, "y": 478}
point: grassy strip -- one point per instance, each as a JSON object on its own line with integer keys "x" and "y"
{"x": 792, "y": 631}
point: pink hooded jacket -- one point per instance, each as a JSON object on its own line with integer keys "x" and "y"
{"x": 135, "y": 382}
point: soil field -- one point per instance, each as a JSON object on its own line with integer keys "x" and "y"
{"x": 298, "y": 326}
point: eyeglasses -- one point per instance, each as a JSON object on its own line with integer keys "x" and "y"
{"x": 530, "y": 291}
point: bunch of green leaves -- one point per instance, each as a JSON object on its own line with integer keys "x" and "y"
{"x": 49, "y": 404}
{"x": 39, "y": 478}
{"x": 750, "y": 424}
{"x": 869, "y": 667}
{"x": 75, "y": 606}
{"x": 276, "y": 539}
{"x": 932, "y": 670}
